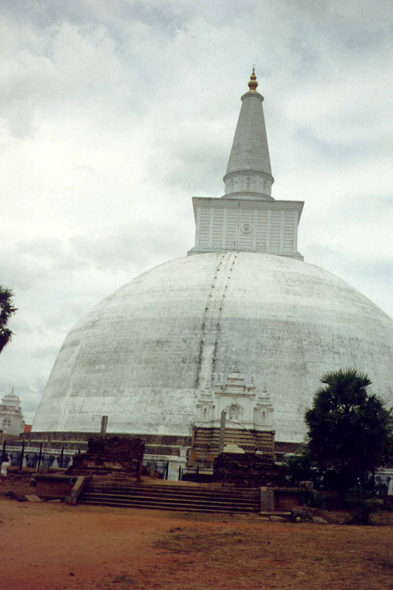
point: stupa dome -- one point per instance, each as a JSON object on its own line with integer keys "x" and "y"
{"x": 150, "y": 356}
{"x": 142, "y": 354}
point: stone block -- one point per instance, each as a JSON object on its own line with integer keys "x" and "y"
{"x": 319, "y": 520}
{"x": 267, "y": 500}
{"x": 33, "y": 498}
{"x": 248, "y": 469}
{"x": 304, "y": 512}
{"x": 108, "y": 455}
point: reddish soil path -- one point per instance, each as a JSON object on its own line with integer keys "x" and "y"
{"x": 107, "y": 548}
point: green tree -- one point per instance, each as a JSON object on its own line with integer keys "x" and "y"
{"x": 7, "y": 308}
{"x": 301, "y": 467}
{"x": 349, "y": 429}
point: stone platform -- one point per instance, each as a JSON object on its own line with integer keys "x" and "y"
{"x": 110, "y": 456}
{"x": 248, "y": 469}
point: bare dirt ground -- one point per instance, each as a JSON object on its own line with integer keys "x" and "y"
{"x": 51, "y": 546}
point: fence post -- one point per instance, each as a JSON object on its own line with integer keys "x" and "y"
{"x": 222, "y": 432}
{"x": 179, "y": 472}
{"x": 39, "y": 457}
{"x": 61, "y": 458}
{"x": 21, "y": 456}
{"x": 3, "y": 455}
{"x": 104, "y": 425}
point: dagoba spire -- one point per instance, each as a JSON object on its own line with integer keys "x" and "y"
{"x": 253, "y": 84}
{"x": 249, "y": 173}
{"x": 247, "y": 218}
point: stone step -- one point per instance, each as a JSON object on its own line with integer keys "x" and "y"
{"x": 166, "y": 506}
{"x": 176, "y": 490}
{"x": 170, "y": 500}
{"x": 216, "y": 440}
{"x": 229, "y": 433}
{"x": 171, "y": 497}
{"x": 175, "y": 497}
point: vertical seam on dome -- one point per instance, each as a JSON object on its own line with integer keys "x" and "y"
{"x": 69, "y": 381}
{"x": 211, "y": 326}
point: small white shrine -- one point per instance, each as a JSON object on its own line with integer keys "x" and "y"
{"x": 11, "y": 417}
{"x": 244, "y": 407}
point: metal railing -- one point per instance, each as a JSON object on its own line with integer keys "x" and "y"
{"x": 33, "y": 457}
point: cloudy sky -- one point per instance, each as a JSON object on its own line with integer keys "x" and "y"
{"x": 114, "y": 113}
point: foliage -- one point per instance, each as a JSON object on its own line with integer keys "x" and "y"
{"x": 312, "y": 498}
{"x": 301, "y": 468}
{"x": 7, "y": 309}
{"x": 363, "y": 504}
{"x": 349, "y": 430}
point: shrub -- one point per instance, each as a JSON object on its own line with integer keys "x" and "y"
{"x": 364, "y": 506}
{"x": 301, "y": 468}
{"x": 312, "y": 499}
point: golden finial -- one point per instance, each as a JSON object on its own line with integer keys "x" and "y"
{"x": 253, "y": 82}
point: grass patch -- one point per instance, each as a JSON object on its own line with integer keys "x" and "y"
{"x": 124, "y": 580}
{"x": 388, "y": 563}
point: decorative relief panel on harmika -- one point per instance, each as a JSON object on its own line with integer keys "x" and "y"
{"x": 244, "y": 407}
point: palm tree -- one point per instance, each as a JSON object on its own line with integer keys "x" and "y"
{"x": 349, "y": 429}
{"x": 7, "y": 308}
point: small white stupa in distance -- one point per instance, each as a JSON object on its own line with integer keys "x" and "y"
{"x": 11, "y": 417}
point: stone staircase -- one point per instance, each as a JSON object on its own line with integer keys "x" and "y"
{"x": 171, "y": 497}
{"x": 206, "y": 441}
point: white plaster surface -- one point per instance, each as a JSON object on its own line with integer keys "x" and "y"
{"x": 243, "y": 405}
{"x": 142, "y": 355}
{"x": 11, "y": 417}
{"x": 246, "y": 225}
{"x": 250, "y": 152}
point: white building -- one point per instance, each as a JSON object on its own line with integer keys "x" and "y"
{"x": 242, "y": 404}
{"x": 11, "y": 417}
{"x": 150, "y": 354}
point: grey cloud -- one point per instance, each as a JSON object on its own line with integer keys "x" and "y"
{"x": 133, "y": 248}
{"x": 175, "y": 13}
{"x": 42, "y": 76}
{"x": 372, "y": 276}
{"x": 169, "y": 17}
{"x": 65, "y": 313}
{"x": 341, "y": 151}
{"x": 374, "y": 270}
{"x": 365, "y": 207}
{"x": 48, "y": 246}
{"x": 129, "y": 246}
{"x": 307, "y": 55}
{"x": 365, "y": 38}
{"x": 19, "y": 325}
{"x": 44, "y": 13}
{"x": 197, "y": 167}
{"x": 20, "y": 275}
{"x": 45, "y": 351}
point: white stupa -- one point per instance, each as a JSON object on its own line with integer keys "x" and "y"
{"x": 149, "y": 355}
{"x": 11, "y": 417}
